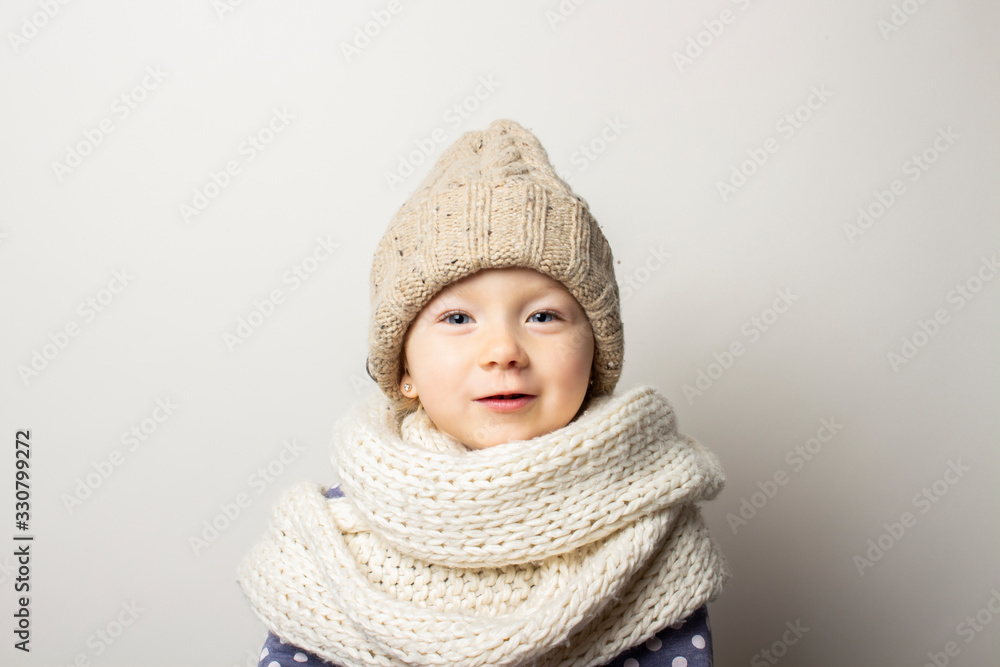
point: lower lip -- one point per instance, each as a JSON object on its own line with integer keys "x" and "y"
{"x": 505, "y": 404}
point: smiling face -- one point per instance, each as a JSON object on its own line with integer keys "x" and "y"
{"x": 499, "y": 332}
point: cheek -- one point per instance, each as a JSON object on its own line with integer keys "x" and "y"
{"x": 584, "y": 354}
{"x": 571, "y": 359}
{"x": 434, "y": 359}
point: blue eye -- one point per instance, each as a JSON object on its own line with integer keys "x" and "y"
{"x": 448, "y": 317}
{"x": 545, "y": 312}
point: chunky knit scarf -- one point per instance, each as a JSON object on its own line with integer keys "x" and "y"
{"x": 565, "y": 549}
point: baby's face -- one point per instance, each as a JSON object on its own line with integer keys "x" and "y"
{"x": 499, "y": 331}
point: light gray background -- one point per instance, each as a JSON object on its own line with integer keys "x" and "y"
{"x": 671, "y": 134}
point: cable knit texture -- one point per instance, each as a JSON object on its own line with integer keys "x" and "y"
{"x": 565, "y": 549}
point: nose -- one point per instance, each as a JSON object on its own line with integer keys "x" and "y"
{"x": 502, "y": 349}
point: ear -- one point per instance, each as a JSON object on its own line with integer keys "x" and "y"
{"x": 405, "y": 380}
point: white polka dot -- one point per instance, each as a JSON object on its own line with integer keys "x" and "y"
{"x": 679, "y": 661}
{"x": 263, "y": 654}
{"x": 654, "y": 644}
{"x": 631, "y": 662}
{"x": 299, "y": 657}
{"x": 698, "y": 641}
{"x": 274, "y": 663}
{"x": 678, "y": 624}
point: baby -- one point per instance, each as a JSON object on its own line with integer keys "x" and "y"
{"x": 499, "y": 502}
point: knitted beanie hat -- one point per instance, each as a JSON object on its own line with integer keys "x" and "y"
{"x": 491, "y": 201}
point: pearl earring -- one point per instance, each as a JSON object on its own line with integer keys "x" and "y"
{"x": 406, "y": 387}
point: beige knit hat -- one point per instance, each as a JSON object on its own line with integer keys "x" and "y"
{"x": 491, "y": 201}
